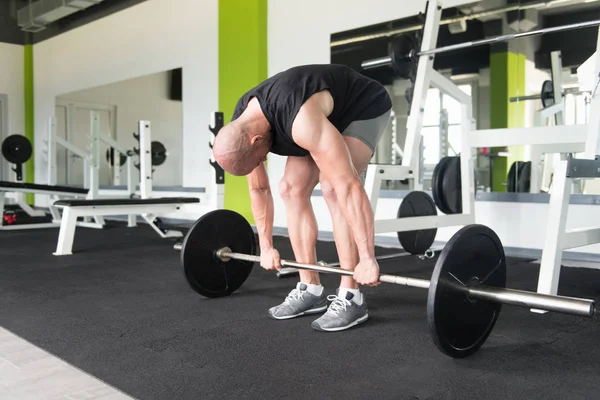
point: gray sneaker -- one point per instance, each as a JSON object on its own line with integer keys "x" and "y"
{"x": 342, "y": 314}
{"x": 299, "y": 302}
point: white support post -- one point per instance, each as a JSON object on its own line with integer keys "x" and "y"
{"x": 556, "y": 70}
{"x": 66, "y": 233}
{"x": 94, "y": 165}
{"x": 373, "y": 185}
{"x": 414, "y": 122}
{"x": 535, "y": 156}
{"x": 592, "y": 146}
{"x": 2, "y": 202}
{"x": 131, "y": 218}
{"x": 144, "y": 130}
{"x": 52, "y": 151}
{"x": 467, "y": 169}
{"x": 555, "y": 230}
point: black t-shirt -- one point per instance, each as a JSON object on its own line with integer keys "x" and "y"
{"x": 355, "y": 98}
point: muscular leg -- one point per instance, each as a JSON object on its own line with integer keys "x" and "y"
{"x": 344, "y": 239}
{"x": 348, "y": 308}
{"x": 300, "y": 178}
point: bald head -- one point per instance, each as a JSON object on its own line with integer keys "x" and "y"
{"x": 239, "y": 150}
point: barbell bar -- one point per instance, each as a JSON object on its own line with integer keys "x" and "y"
{"x": 567, "y": 305}
{"x": 465, "y": 293}
{"x": 385, "y": 61}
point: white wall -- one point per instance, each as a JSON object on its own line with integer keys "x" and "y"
{"x": 150, "y": 37}
{"x": 11, "y": 84}
{"x": 144, "y": 98}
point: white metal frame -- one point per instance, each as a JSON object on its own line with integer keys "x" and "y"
{"x": 147, "y": 211}
{"x": 18, "y": 195}
{"x": 558, "y": 238}
{"x": 427, "y": 77}
{"x": 542, "y": 156}
{"x": 4, "y": 165}
{"x": 68, "y": 224}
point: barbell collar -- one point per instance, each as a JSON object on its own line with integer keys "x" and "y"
{"x": 178, "y": 246}
{"x": 376, "y": 63}
{"x": 567, "y": 305}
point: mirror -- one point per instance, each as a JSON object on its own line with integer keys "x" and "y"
{"x": 120, "y": 105}
{"x": 505, "y": 80}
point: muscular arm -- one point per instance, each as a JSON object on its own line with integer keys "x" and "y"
{"x": 313, "y": 131}
{"x": 262, "y": 205}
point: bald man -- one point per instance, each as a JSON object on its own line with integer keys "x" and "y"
{"x": 327, "y": 120}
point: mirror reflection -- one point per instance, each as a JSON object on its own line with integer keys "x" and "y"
{"x": 535, "y": 81}
{"x": 119, "y": 107}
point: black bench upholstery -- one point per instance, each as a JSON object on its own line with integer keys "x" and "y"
{"x": 126, "y": 201}
{"x": 48, "y": 188}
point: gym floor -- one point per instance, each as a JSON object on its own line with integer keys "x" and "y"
{"x": 118, "y": 319}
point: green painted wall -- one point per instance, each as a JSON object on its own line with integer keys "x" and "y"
{"x": 507, "y": 79}
{"x": 29, "y": 174}
{"x": 242, "y": 65}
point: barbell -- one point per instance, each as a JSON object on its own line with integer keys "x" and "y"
{"x": 546, "y": 95}
{"x": 401, "y": 58}
{"x": 465, "y": 293}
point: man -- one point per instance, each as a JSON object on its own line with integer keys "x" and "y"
{"x": 328, "y": 120}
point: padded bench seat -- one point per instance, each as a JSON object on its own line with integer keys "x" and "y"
{"x": 147, "y": 208}
{"x": 42, "y": 188}
{"x": 126, "y": 202}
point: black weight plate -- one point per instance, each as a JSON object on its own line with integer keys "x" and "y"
{"x": 205, "y": 273}
{"x": 524, "y": 181}
{"x": 460, "y": 325}
{"x": 417, "y": 204}
{"x": 159, "y": 153}
{"x": 436, "y": 184}
{"x": 511, "y": 178}
{"x": 401, "y": 48}
{"x": 451, "y": 186}
{"x": 110, "y": 157}
{"x": 16, "y": 149}
{"x": 547, "y": 94}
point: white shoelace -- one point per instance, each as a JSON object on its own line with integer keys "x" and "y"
{"x": 295, "y": 294}
{"x": 337, "y": 304}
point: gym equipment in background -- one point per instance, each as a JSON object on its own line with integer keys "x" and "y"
{"x": 519, "y": 177}
{"x": 465, "y": 294}
{"x": 146, "y": 206}
{"x": 17, "y": 150}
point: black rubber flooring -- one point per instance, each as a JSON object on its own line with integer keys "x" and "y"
{"x": 121, "y": 310}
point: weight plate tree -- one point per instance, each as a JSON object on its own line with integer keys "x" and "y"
{"x": 207, "y": 274}
{"x": 467, "y": 286}
{"x": 417, "y": 204}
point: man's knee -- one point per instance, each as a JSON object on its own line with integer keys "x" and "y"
{"x": 295, "y": 188}
{"x": 328, "y": 192}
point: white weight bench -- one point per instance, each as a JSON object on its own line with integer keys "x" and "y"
{"x": 147, "y": 208}
{"x": 20, "y": 188}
